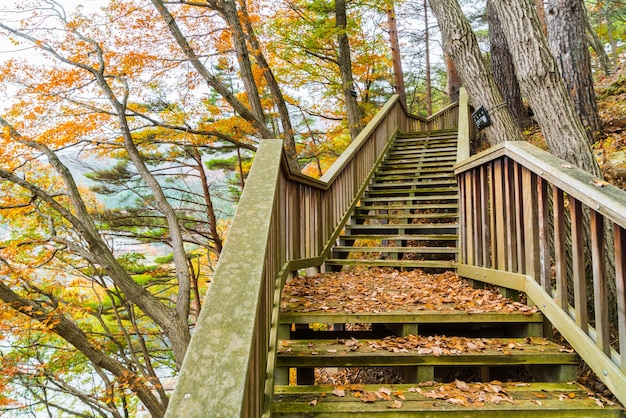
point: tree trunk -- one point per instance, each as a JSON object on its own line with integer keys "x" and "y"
{"x": 228, "y": 10}
{"x": 543, "y": 86}
{"x": 208, "y": 201}
{"x": 395, "y": 51}
{"x": 503, "y": 69}
{"x": 453, "y": 82}
{"x": 345, "y": 68}
{"x": 596, "y": 44}
{"x": 429, "y": 90}
{"x": 279, "y": 99}
{"x": 566, "y": 36}
{"x": 460, "y": 44}
{"x": 210, "y": 79}
{"x": 541, "y": 14}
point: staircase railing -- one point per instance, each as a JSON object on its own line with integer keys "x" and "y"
{"x": 285, "y": 221}
{"x": 523, "y": 216}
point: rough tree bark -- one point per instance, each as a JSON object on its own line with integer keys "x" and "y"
{"x": 542, "y": 85}
{"x": 345, "y": 68}
{"x": 566, "y": 36}
{"x": 453, "y": 82}
{"x": 395, "y": 51}
{"x": 541, "y": 14}
{"x": 429, "y": 89}
{"x": 503, "y": 69}
{"x": 460, "y": 44}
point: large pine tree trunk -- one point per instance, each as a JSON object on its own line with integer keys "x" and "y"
{"x": 395, "y": 51}
{"x": 345, "y": 68}
{"x": 503, "y": 69}
{"x": 453, "y": 82}
{"x": 460, "y": 44}
{"x": 566, "y": 36}
{"x": 542, "y": 85}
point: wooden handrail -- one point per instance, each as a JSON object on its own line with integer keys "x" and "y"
{"x": 523, "y": 219}
{"x": 285, "y": 221}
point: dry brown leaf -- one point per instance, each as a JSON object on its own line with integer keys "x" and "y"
{"x": 313, "y": 402}
{"x": 396, "y": 404}
{"x": 369, "y": 397}
{"x": 339, "y": 392}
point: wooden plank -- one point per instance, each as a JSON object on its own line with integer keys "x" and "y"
{"x": 544, "y": 234}
{"x": 484, "y": 215}
{"x": 531, "y": 231}
{"x": 572, "y": 180}
{"x": 560, "y": 257}
{"x": 578, "y": 263}
{"x": 620, "y": 285}
{"x": 519, "y": 221}
{"x": 600, "y": 286}
{"x": 537, "y": 400}
{"x": 500, "y": 256}
{"x": 511, "y": 215}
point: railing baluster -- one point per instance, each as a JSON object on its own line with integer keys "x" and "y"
{"x": 519, "y": 224}
{"x": 500, "y": 258}
{"x": 544, "y": 240}
{"x": 511, "y": 215}
{"x": 600, "y": 287}
{"x": 620, "y": 285}
{"x": 531, "y": 232}
{"x": 578, "y": 263}
{"x": 560, "y": 257}
{"x": 482, "y": 173}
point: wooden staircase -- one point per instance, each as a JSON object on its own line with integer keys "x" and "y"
{"x": 456, "y": 352}
{"x": 408, "y": 217}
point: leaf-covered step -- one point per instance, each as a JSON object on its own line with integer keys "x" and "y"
{"x": 445, "y": 315}
{"x": 433, "y": 400}
{"x": 415, "y": 350}
{"x": 421, "y": 264}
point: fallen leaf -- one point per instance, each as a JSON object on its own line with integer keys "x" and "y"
{"x": 339, "y": 392}
{"x": 369, "y": 397}
{"x": 599, "y": 183}
{"x": 313, "y": 402}
{"x": 396, "y": 405}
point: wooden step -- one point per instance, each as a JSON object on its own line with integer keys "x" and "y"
{"x": 415, "y": 172}
{"x": 421, "y": 189}
{"x": 446, "y": 215}
{"x": 405, "y": 229}
{"x": 411, "y": 250}
{"x": 411, "y": 177}
{"x": 502, "y": 400}
{"x": 421, "y": 198}
{"x": 409, "y": 149}
{"x": 413, "y": 182}
{"x": 418, "y": 264}
{"x": 401, "y": 206}
{"x": 424, "y": 350}
{"x": 444, "y": 314}
{"x": 401, "y": 237}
